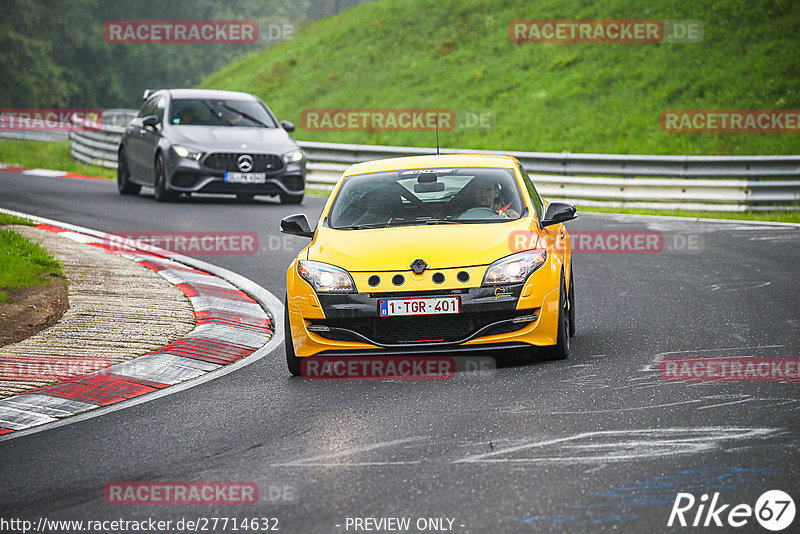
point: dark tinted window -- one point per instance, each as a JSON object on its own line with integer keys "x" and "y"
{"x": 148, "y": 107}
{"x": 159, "y": 109}
{"x": 535, "y": 198}
{"x": 215, "y": 112}
{"x": 427, "y": 196}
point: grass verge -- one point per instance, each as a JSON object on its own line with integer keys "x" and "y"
{"x": 23, "y": 263}
{"x": 602, "y": 98}
{"x": 13, "y": 219}
{"x": 766, "y": 216}
{"x": 48, "y": 155}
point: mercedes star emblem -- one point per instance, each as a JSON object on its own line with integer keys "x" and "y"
{"x": 245, "y": 163}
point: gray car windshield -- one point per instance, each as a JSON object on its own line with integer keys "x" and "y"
{"x": 215, "y": 112}
{"x": 426, "y": 196}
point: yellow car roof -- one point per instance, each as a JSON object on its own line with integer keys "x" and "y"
{"x": 431, "y": 162}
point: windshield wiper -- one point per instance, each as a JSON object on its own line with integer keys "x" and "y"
{"x": 391, "y": 224}
{"x": 440, "y": 221}
{"x": 363, "y": 226}
{"x": 245, "y": 115}
{"x": 214, "y": 112}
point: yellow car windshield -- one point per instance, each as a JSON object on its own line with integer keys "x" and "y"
{"x": 426, "y": 196}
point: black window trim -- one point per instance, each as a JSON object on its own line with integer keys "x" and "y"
{"x": 533, "y": 193}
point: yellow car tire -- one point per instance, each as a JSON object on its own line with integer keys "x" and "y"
{"x": 292, "y": 361}
{"x": 571, "y": 303}
{"x": 560, "y": 351}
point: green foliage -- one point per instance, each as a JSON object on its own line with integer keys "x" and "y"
{"x": 603, "y": 98}
{"x": 54, "y": 53}
{"x": 13, "y": 219}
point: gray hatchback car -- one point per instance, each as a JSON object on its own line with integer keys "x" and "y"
{"x": 187, "y": 141}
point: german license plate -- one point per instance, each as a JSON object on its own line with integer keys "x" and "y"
{"x": 419, "y": 306}
{"x": 245, "y": 177}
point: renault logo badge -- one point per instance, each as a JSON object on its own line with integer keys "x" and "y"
{"x": 418, "y": 266}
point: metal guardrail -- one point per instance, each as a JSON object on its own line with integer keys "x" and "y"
{"x": 35, "y": 136}
{"x": 722, "y": 183}
{"x": 592, "y": 164}
{"x": 99, "y": 147}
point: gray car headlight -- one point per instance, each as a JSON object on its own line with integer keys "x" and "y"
{"x": 514, "y": 269}
{"x": 295, "y": 156}
{"x": 326, "y": 278}
{"x": 186, "y": 152}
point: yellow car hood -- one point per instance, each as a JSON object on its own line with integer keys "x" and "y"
{"x": 393, "y": 249}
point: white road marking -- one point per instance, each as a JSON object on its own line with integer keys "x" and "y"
{"x": 631, "y": 409}
{"x": 314, "y": 461}
{"x": 620, "y": 445}
{"x": 654, "y": 366}
{"x": 45, "y": 172}
{"x": 598, "y": 468}
{"x": 725, "y": 349}
{"x": 736, "y": 286}
{"x": 726, "y": 403}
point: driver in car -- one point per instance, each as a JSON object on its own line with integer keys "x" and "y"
{"x": 187, "y": 115}
{"x": 486, "y": 194}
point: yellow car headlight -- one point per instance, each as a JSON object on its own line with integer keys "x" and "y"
{"x": 326, "y": 278}
{"x": 514, "y": 269}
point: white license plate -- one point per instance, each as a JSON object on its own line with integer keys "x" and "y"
{"x": 419, "y": 306}
{"x": 245, "y": 177}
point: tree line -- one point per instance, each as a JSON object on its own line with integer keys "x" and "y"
{"x": 53, "y": 52}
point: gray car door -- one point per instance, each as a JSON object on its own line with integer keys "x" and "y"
{"x": 134, "y": 142}
{"x": 150, "y": 141}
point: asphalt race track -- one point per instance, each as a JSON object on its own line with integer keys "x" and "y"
{"x": 596, "y": 442}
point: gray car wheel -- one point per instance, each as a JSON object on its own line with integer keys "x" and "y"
{"x": 124, "y": 185}
{"x": 162, "y": 193}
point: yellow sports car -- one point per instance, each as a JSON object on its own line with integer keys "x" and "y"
{"x": 431, "y": 254}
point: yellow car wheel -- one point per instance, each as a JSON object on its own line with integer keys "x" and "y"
{"x": 571, "y": 303}
{"x": 292, "y": 361}
{"x": 560, "y": 351}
